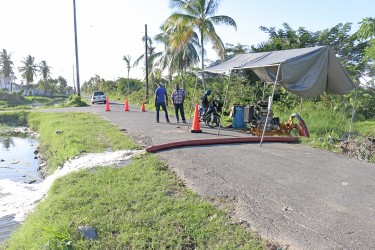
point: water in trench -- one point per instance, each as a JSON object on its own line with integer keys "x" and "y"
{"x": 21, "y": 186}
{"x": 18, "y": 164}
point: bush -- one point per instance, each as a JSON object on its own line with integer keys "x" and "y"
{"x": 14, "y": 119}
{"x": 76, "y": 101}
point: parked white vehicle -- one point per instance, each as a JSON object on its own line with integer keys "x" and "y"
{"x": 98, "y": 96}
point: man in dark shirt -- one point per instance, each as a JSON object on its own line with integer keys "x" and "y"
{"x": 161, "y": 100}
{"x": 178, "y": 97}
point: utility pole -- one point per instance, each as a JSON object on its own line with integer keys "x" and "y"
{"x": 146, "y": 56}
{"x": 74, "y": 82}
{"x": 76, "y": 45}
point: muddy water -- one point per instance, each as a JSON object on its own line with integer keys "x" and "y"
{"x": 18, "y": 164}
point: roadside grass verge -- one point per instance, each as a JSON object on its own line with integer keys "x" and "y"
{"x": 15, "y": 101}
{"x": 66, "y": 135}
{"x": 140, "y": 206}
{"x": 76, "y": 101}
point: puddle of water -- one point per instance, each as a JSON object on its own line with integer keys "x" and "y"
{"x": 17, "y": 199}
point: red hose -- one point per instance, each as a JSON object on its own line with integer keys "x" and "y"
{"x": 169, "y": 145}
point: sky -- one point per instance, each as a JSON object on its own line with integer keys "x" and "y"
{"x": 110, "y": 29}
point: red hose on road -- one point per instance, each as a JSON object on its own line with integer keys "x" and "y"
{"x": 169, "y": 145}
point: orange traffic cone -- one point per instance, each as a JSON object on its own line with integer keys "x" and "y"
{"x": 126, "y": 107}
{"x": 143, "y": 107}
{"x": 195, "y": 128}
{"x": 107, "y": 104}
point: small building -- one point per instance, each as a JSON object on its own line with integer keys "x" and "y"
{"x": 5, "y": 83}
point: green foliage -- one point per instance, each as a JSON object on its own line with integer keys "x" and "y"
{"x": 365, "y": 128}
{"x": 76, "y": 101}
{"x": 365, "y": 107}
{"x": 6, "y": 65}
{"x": 133, "y": 84}
{"x": 367, "y": 31}
{"x": 320, "y": 120}
{"x": 14, "y": 119}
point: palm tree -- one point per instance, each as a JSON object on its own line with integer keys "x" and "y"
{"x": 127, "y": 59}
{"x": 28, "y": 70}
{"x": 152, "y": 59}
{"x": 45, "y": 72}
{"x": 6, "y": 66}
{"x": 177, "y": 57}
{"x": 199, "y": 14}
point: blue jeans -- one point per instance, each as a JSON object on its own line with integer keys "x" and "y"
{"x": 162, "y": 105}
{"x": 179, "y": 107}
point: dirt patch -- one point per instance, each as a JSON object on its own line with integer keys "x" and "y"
{"x": 362, "y": 149}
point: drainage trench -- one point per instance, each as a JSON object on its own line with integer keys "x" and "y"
{"x": 21, "y": 185}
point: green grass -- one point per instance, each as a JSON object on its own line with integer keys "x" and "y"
{"x": 365, "y": 128}
{"x": 319, "y": 120}
{"x": 327, "y": 126}
{"x": 140, "y": 206}
{"x": 65, "y": 135}
{"x": 76, "y": 101}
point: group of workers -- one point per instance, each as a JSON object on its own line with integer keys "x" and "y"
{"x": 178, "y": 97}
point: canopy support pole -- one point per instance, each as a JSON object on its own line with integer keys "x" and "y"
{"x": 264, "y": 90}
{"x": 353, "y": 110}
{"x": 225, "y": 102}
{"x": 300, "y": 107}
{"x": 192, "y": 101}
{"x": 270, "y": 104}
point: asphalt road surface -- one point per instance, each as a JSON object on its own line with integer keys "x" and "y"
{"x": 301, "y": 197}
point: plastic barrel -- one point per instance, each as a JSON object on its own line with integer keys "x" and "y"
{"x": 238, "y": 119}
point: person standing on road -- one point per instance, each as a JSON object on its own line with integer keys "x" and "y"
{"x": 178, "y": 97}
{"x": 161, "y": 100}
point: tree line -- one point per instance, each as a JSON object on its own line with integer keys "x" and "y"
{"x": 192, "y": 23}
{"x": 29, "y": 71}
{"x": 183, "y": 36}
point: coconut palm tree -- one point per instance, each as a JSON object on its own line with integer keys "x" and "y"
{"x": 28, "y": 70}
{"x": 199, "y": 14}
{"x": 177, "y": 58}
{"x": 6, "y": 66}
{"x": 45, "y": 72}
{"x": 152, "y": 59}
{"x": 127, "y": 59}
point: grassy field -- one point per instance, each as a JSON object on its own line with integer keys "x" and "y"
{"x": 140, "y": 206}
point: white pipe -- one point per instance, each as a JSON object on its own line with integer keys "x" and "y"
{"x": 225, "y": 102}
{"x": 270, "y": 105}
{"x": 353, "y": 110}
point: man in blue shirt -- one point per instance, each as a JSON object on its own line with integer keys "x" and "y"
{"x": 161, "y": 100}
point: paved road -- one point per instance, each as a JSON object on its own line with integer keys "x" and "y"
{"x": 299, "y": 196}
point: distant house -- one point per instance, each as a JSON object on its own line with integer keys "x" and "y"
{"x": 5, "y": 83}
